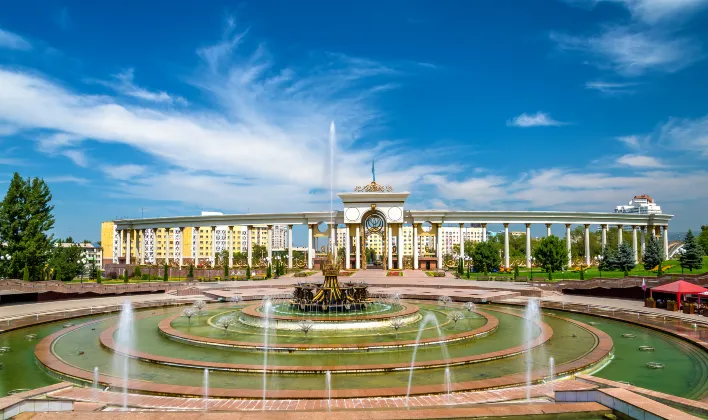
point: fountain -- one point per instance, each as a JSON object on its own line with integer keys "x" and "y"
{"x": 429, "y": 318}
{"x": 95, "y": 382}
{"x": 532, "y": 317}
{"x": 448, "y": 384}
{"x": 551, "y": 368}
{"x": 206, "y": 389}
{"x": 124, "y": 338}
{"x": 328, "y": 384}
{"x": 267, "y": 308}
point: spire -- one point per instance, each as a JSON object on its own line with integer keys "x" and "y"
{"x": 373, "y": 169}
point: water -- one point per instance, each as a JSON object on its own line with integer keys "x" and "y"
{"x": 206, "y": 389}
{"x": 429, "y": 318}
{"x": 532, "y": 317}
{"x": 551, "y": 368}
{"x": 328, "y": 383}
{"x": 448, "y": 384}
{"x": 95, "y": 382}
{"x": 125, "y": 339}
{"x": 267, "y": 306}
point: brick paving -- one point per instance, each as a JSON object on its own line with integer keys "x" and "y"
{"x": 155, "y": 402}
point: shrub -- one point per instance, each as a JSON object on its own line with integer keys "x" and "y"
{"x": 191, "y": 271}
{"x": 248, "y": 272}
{"x": 145, "y": 276}
{"x": 165, "y": 274}
{"x": 25, "y": 274}
{"x": 650, "y": 299}
{"x": 113, "y": 275}
{"x": 126, "y": 278}
{"x": 300, "y": 274}
{"x": 137, "y": 273}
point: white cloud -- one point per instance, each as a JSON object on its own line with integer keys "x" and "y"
{"x": 633, "y": 52}
{"x": 611, "y": 88}
{"x": 124, "y": 84}
{"x": 685, "y": 134}
{"x": 66, "y": 179}
{"x": 77, "y": 156}
{"x": 539, "y": 119}
{"x": 633, "y": 141}
{"x": 639, "y": 161}
{"x": 655, "y": 11}
{"x": 124, "y": 172}
{"x": 8, "y": 129}
{"x": 13, "y": 41}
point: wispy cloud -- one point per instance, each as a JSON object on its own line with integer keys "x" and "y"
{"x": 685, "y": 134}
{"x": 611, "y": 88}
{"x": 77, "y": 156}
{"x": 633, "y": 141}
{"x": 632, "y": 52}
{"x": 123, "y": 83}
{"x": 13, "y": 41}
{"x": 62, "y": 19}
{"x": 66, "y": 179}
{"x": 639, "y": 161}
{"x": 124, "y": 172}
{"x": 539, "y": 119}
{"x": 656, "y": 11}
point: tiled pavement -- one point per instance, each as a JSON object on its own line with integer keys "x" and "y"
{"x": 152, "y": 402}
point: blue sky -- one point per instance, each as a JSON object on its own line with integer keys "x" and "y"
{"x": 177, "y": 107}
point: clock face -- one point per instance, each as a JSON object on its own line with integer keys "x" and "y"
{"x": 426, "y": 226}
{"x": 352, "y": 214}
{"x": 395, "y": 213}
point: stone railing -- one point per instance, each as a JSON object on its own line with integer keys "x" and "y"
{"x": 61, "y": 287}
{"x": 620, "y": 283}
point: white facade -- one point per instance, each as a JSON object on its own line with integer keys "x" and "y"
{"x": 451, "y": 236}
{"x": 640, "y": 204}
{"x": 92, "y": 254}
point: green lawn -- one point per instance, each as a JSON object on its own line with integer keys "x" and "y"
{"x": 594, "y": 272}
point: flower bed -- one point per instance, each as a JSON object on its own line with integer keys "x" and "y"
{"x": 394, "y": 274}
{"x": 435, "y": 273}
{"x": 346, "y": 273}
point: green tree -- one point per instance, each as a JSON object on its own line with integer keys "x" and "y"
{"x": 268, "y": 271}
{"x": 703, "y": 239}
{"x": 258, "y": 253}
{"x": 25, "y": 274}
{"x": 25, "y": 219}
{"x": 625, "y": 258}
{"x": 165, "y": 273}
{"x": 469, "y": 248}
{"x": 126, "y": 278}
{"x": 226, "y": 271}
{"x": 516, "y": 271}
{"x": 191, "y": 270}
{"x": 248, "y": 272}
{"x": 551, "y": 254}
{"x": 609, "y": 259}
{"x": 137, "y": 273}
{"x": 66, "y": 262}
{"x": 486, "y": 257}
{"x": 653, "y": 253}
{"x": 692, "y": 256}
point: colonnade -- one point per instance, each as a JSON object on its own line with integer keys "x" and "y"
{"x": 134, "y": 241}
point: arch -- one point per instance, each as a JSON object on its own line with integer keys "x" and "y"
{"x": 373, "y": 222}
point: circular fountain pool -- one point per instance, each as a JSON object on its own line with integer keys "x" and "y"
{"x": 493, "y": 346}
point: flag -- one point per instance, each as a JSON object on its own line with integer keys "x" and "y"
{"x": 644, "y": 285}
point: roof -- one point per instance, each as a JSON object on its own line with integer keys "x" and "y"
{"x": 680, "y": 286}
{"x": 644, "y": 196}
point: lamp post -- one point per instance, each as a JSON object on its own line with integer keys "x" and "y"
{"x": 4, "y": 258}
{"x": 83, "y": 268}
{"x": 531, "y": 265}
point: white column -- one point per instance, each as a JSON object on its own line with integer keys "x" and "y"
{"x": 528, "y": 245}
{"x": 568, "y": 243}
{"x": 644, "y": 230}
{"x": 389, "y": 247}
{"x": 249, "y": 245}
{"x": 142, "y": 246}
{"x": 400, "y": 246}
{"x": 309, "y": 246}
{"x": 127, "y": 248}
{"x": 196, "y": 247}
{"x": 548, "y": 229}
{"x": 270, "y": 243}
{"x": 666, "y": 242}
{"x": 174, "y": 244}
{"x": 634, "y": 244}
{"x": 180, "y": 230}
{"x": 604, "y": 236}
{"x": 587, "y": 244}
{"x": 415, "y": 247}
{"x": 439, "y": 245}
{"x": 230, "y": 233}
{"x": 290, "y": 246}
{"x": 213, "y": 245}
{"x": 506, "y": 245}
{"x": 335, "y": 248}
{"x": 347, "y": 248}
{"x": 121, "y": 253}
{"x": 484, "y": 232}
{"x": 462, "y": 240}
{"x": 619, "y": 235}
{"x": 357, "y": 246}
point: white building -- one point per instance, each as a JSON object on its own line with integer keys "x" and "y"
{"x": 640, "y": 204}
{"x": 451, "y": 236}
{"x": 91, "y": 253}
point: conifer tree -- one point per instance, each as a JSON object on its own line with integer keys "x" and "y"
{"x": 692, "y": 256}
{"x": 609, "y": 259}
{"x": 25, "y": 219}
{"x": 653, "y": 253}
{"x": 625, "y": 258}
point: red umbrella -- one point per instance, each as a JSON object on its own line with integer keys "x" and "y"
{"x": 679, "y": 288}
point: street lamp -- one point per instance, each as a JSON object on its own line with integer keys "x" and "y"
{"x": 7, "y": 258}
{"x": 83, "y": 268}
{"x": 531, "y": 265}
